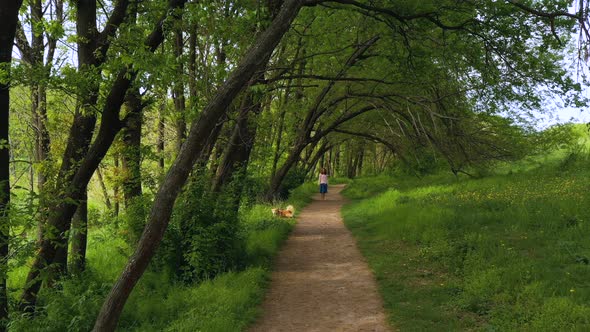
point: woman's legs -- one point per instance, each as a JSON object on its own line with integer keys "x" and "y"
{"x": 323, "y": 190}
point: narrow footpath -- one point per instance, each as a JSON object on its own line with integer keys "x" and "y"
{"x": 320, "y": 280}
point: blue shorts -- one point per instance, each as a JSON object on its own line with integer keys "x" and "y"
{"x": 323, "y": 188}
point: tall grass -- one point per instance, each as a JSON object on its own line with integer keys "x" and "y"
{"x": 504, "y": 253}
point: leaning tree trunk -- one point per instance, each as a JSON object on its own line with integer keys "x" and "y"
{"x": 179, "y": 171}
{"x": 8, "y": 19}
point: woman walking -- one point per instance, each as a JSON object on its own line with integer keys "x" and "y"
{"x": 323, "y": 180}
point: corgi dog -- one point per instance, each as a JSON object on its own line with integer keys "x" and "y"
{"x": 286, "y": 213}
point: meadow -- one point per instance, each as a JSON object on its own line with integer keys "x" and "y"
{"x": 507, "y": 252}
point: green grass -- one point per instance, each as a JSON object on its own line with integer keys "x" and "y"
{"x": 226, "y": 303}
{"x": 504, "y": 253}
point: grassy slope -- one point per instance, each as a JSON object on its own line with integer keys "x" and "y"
{"x": 226, "y": 303}
{"x": 502, "y": 253}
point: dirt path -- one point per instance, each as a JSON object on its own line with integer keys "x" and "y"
{"x": 321, "y": 282}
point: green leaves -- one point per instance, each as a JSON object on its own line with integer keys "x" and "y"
{"x": 55, "y": 29}
{"x": 4, "y": 73}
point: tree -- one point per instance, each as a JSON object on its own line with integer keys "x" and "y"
{"x": 8, "y": 21}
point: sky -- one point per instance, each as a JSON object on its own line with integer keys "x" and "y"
{"x": 567, "y": 115}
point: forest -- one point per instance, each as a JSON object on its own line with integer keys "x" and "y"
{"x": 144, "y": 143}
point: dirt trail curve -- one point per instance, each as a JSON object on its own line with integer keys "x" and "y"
{"x": 321, "y": 282}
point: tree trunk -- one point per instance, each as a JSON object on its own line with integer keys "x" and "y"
{"x": 178, "y": 91}
{"x": 192, "y": 67}
{"x": 207, "y": 153}
{"x": 103, "y": 187}
{"x": 116, "y": 190}
{"x": 82, "y": 129}
{"x": 131, "y": 154}
{"x": 178, "y": 173}
{"x": 337, "y": 162}
{"x": 79, "y": 237}
{"x": 39, "y": 89}
{"x": 160, "y": 142}
{"x": 42, "y": 141}
{"x": 277, "y": 154}
{"x": 359, "y": 168}
{"x": 33, "y": 54}
{"x": 349, "y": 162}
{"x": 330, "y": 155}
{"x": 8, "y": 19}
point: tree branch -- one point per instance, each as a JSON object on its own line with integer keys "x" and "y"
{"x": 369, "y": 137}
{"x": 22, "y": 43}
{"x": 312, "y": 114}
{"x": 117, "y": 17}
{"x": 347, "y": 117}
{"x": 328, "y": 78}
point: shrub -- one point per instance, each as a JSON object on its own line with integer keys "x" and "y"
{"x": 294, "y": 178}
{"x": 204, "y": 237}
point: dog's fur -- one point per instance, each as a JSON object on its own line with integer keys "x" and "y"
{"x": 286, "y": 213}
